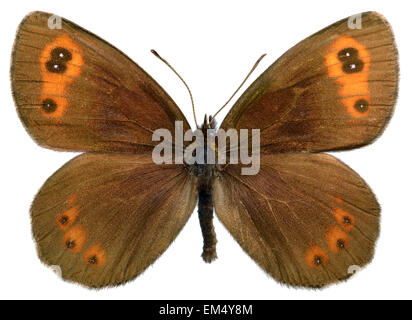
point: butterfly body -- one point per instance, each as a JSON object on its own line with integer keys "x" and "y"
{"x": 203, "y": 169}
{"x": 206, "y": 172}
{"x": 304, "y": 217}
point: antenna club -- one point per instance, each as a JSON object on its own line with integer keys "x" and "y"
{"x": 155, "y": 53}
{"x": 261, "y": 57}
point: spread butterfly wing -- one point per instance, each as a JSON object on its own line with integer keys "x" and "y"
{"x": 334, "y": 90}
{"x": 74, "y": 91}
{"x": 307, "y": 219}
{"x": 104, "y": 218}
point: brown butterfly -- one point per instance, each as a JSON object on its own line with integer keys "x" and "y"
{"x": 104, "y": 217}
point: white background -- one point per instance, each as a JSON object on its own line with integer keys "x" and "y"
{"x": 213, "y": 44}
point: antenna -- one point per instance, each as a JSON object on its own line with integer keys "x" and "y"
{"x": 243, "y": 82}
{"x": 187, "y": 87}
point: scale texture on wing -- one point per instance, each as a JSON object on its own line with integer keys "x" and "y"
{"x": 104, "y": 218}
{"x": 306, "y": 219}
{"x": 334, "y": 90}
{"x": 74, "y": 91}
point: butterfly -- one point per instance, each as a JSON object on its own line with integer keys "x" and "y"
{"x": 305, "y": 218}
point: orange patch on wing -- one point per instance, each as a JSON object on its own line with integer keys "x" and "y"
{"x": 350, "y": 105}
{"x": 77, "y": 236}
{"x": 95, "y": 256}
{"x": 336, "y": 239}
{"x": 313, "y": 254}
{"x": 352, "y": 86}
{"x": 72, "y": 199}
{"x": 67, "y": 218}
{"x": 344, "y": 218}
{"x": 55, "y": 84}
{"x": 61, "y": 102}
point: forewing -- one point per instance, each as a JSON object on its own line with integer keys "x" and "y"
{"x": 307, "y": 219}
{"x": 74, "y": 91}
{"x": 334, "y": 90}
{"x": 104, "y": 218}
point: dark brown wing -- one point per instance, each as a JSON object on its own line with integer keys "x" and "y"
{"x": 307, "y": 219}
{"x": 74, "y": 91}
{"x": 103, "y": 219}
{"x": 334, "y": 90}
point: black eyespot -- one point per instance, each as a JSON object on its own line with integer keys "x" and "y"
{"x": 58, "y": 58}
{"x": 49, "y": 105}
{"x": 340, "y": 244}
{"x": 317, "y": 260}
{"x": 64, "y": 219}
{"x": 92, "y": 260}
{"x": 348, "y": 54}
{"x": 347, "y": 220}
{"x": 55, "y": 66}
{"x": 351, "y": 63}
{"x": 361, "y": 105}
{"x": 353, "y": 66}
{"x": 70, "y": 244}
{"x": 60, "y": 54}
